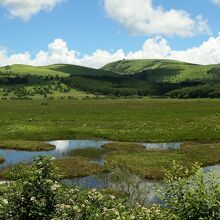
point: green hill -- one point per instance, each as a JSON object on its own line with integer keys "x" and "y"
{"x": 79, "y": 70}
{"x": 123, "y": 78}
{"x": 164, "y": 70}
{"x": 19, "y": 69}
{"x": 61, "y": 70}
{"x": 37, "y": 82}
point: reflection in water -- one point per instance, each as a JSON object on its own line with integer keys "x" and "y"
{"x": 162, "y": 146}
{"x": 62, "y": 148}
{"x": 139, "y": 190}
{"x": 215, "y": 168}
{"x": 65, "y": 147}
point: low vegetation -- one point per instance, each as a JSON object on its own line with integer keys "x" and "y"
{"x": 90, "y": 153}
{"x": 122, "y": 146}
{"x": 72, "y": 167}
{"x": 25, "y": 145}
{"x": 36, "y": 193}
{"x": 2, "y": 160}
{"x": 151, "y": 163}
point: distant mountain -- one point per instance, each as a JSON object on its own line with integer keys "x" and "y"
{"x": 123, "y": 78}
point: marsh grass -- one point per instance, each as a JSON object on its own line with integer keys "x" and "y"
{"x": 151, "y": 164}
{"x": 123, "y": 146}
{"x": 90, "y": 153}
{"x": 77, "y": 167}
{"x": 70, "y": 167}
{"x": 2, "y": 160}
{"x": 25, "y": 145}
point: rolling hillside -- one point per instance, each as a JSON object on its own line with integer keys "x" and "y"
{"x": 61, "y": 70}
{"x": 125, "y": 78}
{"x": 164, "y": 70}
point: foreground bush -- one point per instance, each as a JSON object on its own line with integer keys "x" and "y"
{"x": 35, "y": 193}
{"x": 191, "y": 194}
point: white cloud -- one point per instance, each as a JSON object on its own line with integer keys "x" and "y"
{"x": 155, "y": 48}
{"x": 142, "y": 17}
{"x": 58, "y": 52}
{"x": 101, "y": 57}
{"x": 216, "y": 2}
{"x": 207, "y": 53}
{"x": 25, "y": 9}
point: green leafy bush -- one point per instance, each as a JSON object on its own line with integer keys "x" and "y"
{"x": 191, "y": 194}
{"x": 36, "y": 193}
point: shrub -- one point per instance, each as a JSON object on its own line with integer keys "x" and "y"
{"x": 191, "y": 194}
{"x": 33, "y": 192}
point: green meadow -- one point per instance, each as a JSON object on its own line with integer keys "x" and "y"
{"x": 27, "y": 124}
{"x": 137, "y": 120}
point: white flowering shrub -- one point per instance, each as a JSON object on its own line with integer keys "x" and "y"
{"x": 32, "y": 193}
{"x": 97, "y": 206}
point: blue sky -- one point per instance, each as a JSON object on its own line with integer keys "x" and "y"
{"x": 85, "y": 26}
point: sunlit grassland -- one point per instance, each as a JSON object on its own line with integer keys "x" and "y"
{"x": 143, "y": 120}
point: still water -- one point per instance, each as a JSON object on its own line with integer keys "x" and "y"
{"x": 64, "y": 147}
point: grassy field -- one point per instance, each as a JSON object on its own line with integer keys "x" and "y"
{"x": 143, "y": 120}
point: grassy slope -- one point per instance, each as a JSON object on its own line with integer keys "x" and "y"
{"x": 61, "y": 70}
{"x": 80, "y": 70}
{"x": 126, "y": 120}
{"x": 33, "y": 70}
{"x": 170, "y": 70}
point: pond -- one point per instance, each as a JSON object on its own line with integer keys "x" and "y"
{"x": 69, "y": 147}
{"x": 139, "y": 190}
{"x": 64, "y": 147}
